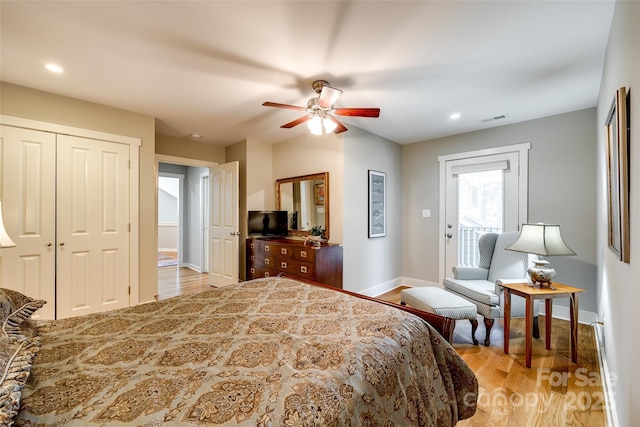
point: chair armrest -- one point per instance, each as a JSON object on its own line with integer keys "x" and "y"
{"x": 470, "y": 273}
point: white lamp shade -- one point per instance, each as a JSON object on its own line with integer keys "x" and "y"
{"x": 541, "y": 239}
{"x": 329, "y": 125}
{"x": 5, "y": 240}
{"x": 315, "y": 125}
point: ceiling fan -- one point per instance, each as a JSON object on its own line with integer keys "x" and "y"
{"x": 320, "y": 110}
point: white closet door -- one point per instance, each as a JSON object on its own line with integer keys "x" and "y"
{"x": 28, "y": 202}
{"x": 92, "y": 226}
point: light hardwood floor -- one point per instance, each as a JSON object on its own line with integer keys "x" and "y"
{"x": 554, "y": 392}
{"x": 174, "y": 281}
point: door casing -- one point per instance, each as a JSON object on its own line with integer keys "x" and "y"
{"x": 516, "y": 153}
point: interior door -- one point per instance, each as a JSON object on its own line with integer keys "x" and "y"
{"x": 224, "y": 226}
{"x": 92, "y": 226}
{"x": 460, "y": 233}
{"x": 28, "y": 196}
{"x": 206, "y": 218}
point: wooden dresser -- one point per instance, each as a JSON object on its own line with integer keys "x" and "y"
{"x": 270, "y": 257}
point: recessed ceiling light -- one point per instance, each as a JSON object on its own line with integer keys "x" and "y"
{"x": 54, "y": 68}
{"x": 195, "y": 135}
{"x": 454, "y": 116}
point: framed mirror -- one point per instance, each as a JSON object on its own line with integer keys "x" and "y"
{"x": 306, "y": 200}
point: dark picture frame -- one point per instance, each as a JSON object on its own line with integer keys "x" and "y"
{"x": 617, "y": 138}
{"x": 377, "y": 204}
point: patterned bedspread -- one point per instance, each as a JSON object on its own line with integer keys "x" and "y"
{"x": 268, "y": 352}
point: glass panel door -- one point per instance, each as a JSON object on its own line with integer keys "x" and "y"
{"x": 480, "y": 211}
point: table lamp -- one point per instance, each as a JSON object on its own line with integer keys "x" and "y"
{"x": 541, "y": 239}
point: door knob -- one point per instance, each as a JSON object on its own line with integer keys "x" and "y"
{"x": 49, "y": 244}
{"x": 449, "y": 225}
{"x": 61, "y": 243}
{"x": 449, "y": 235}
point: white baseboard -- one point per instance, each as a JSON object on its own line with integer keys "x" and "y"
{"x": 382, "y": 288}
{"x": 417, "y": 283}
{"x": 192, "y": 267}
{"x": 392, "y": 284}
{"x": 562, "y": 312}
{"x": 605, "y": 375}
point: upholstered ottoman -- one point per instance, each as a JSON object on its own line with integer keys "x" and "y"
{"x": 443, "y": 303}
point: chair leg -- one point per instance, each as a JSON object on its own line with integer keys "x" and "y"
{"x": 488, "y": 324}
{"x": 474, "y": 327}
{"x": 536, "y": 329}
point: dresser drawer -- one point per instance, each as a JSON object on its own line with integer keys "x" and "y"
{"x": 295, "y": 268}
{"x": 283, "y": 251}
{"x": 263, "y": 261}
{"x": 304, "y": 253}
{"x": 256, "y": 273}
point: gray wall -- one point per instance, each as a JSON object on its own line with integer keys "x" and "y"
{"x": 194, "y": 234}
{"x": 369, "y": 262}
{"x": 562, "y": 183}
{"x": 618, "y": 285}
{"x": 192, "y": 211}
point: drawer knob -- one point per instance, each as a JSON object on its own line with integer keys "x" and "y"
{"x": 303, "y": 254}
{"x": 303, "y": 269}
{"x": 267, "y": 261}
{"x": 283, "y": 251}
{"x": 283, "y": 264}
{"x": 266, "y": 248}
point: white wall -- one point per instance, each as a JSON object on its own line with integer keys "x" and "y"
{"x": 371, "y": 262}
{"x": 618, "y": 283}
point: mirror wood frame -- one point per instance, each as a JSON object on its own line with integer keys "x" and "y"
{"x": 312, "y": 177}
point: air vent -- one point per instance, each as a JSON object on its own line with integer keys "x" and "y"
{"x": 491, "y": 119}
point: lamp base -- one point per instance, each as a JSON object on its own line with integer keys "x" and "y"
{"x": 541, "y": 274}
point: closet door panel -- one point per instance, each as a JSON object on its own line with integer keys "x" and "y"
{"x": 28, "y": 177}
{"x": 93, "y": 235}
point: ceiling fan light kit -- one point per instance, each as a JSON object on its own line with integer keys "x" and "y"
{"x": 321, "y": 112}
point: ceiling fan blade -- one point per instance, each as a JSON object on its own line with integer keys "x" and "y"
{"x": 278, "y": 105}
{"x": 358, "y": 112}
{"x": 339, "y": 126}
{"x": 328, "y": 96}
{"x": 296, "y": 122}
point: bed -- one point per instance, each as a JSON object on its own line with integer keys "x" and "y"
{"x": 267, "y": 352}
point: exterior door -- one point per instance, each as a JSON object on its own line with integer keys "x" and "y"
{"x": 478, "y": 186}
{"x": 28, "y": 196}
{"x": 224, "y": 228}
{"x": 92, "y": 226}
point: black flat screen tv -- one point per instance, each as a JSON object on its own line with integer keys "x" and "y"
{"x": 268, "y": 223}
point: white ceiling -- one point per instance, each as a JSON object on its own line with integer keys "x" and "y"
{"x": 207, "y": 66}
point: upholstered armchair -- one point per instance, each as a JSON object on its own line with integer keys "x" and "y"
{"x": 478, "y": 284}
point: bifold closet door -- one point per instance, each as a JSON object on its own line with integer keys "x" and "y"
{"x": 28, "y": 202}
{"x": 92, "y": 226}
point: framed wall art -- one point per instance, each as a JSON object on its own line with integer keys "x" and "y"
{"x": 377, "y": 204}
{"x": 617, "y": 138}
{"x": 319, "y": 194}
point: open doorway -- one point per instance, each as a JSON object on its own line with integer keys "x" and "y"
{"x": 182, "y": 225}
{"x": 169, "y": 225}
